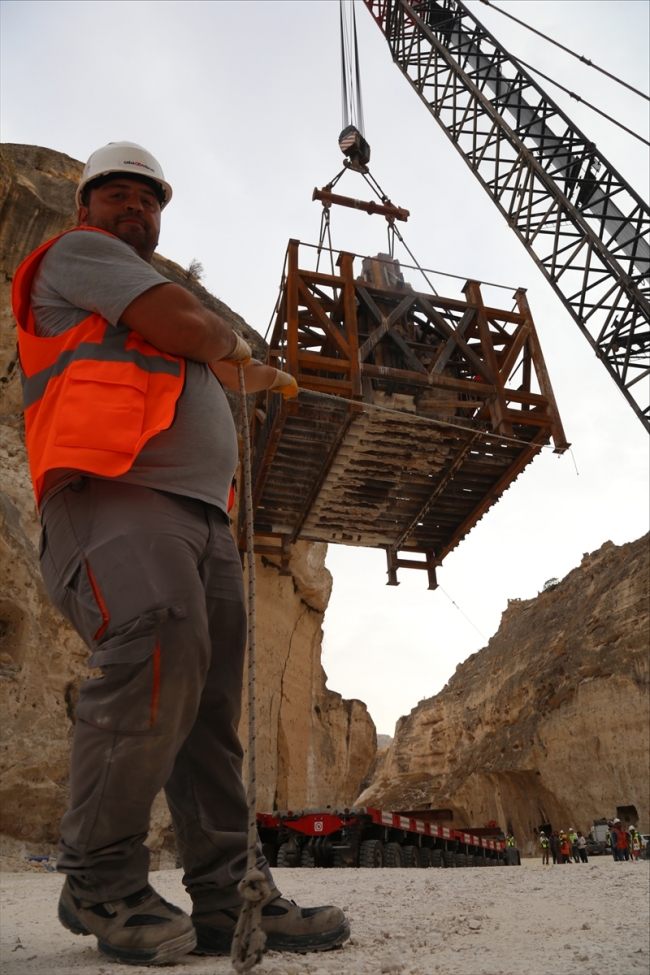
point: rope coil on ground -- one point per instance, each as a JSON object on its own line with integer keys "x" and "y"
{"x": 249, "y": 938}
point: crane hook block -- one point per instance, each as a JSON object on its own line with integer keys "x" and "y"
{"x": 353, "y": 145}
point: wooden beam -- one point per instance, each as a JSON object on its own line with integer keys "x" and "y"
{"x": 292, "y": 308}
{"x": 441, "y": 483}
{"x": 446, "y": 350}
{"x": 495, "y": 492}
{"x": 385, "y": 322}
{"x": 353, "y": 410}
{"x": 543, "y": 378}
{"x": 322, "y": 320}
{"x": 498, "y": 405}
{"x": 346, "y": 262}
{"x": 482, "y": 366}
{"x": 411, "y": 359}
{"x": 311, "y": 360}
{"x": 416, "y": 379}
{"x": 518, "y": 341}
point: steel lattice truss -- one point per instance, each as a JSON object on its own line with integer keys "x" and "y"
{"x": 582, "y": 223}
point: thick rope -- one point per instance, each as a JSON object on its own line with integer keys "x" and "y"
{"x": 248, "y": 941}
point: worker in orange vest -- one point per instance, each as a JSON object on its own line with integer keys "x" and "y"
{"x": 623, "y": 841}
{"x": 565, "y": 848}
{"x": 132, "y": 450}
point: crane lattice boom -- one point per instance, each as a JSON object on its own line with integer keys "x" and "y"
{"x": 583, "y": 224}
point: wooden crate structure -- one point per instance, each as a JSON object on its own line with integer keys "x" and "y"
{"x": 415, "y": 413}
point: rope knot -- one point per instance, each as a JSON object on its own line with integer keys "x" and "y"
{"x": 254, "y": 886}
{"x": 249, "y": 938}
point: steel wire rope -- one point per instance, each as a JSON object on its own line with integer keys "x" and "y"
{"x": 403, "y": 415}
{"x": 249, "y": 938}
{"x": 392, "y": 229}
{"x": 276, "y": 307}
{"x": 351, "y": 100}
{"x": 584, "y": 101}
{"x": 462, "y": 613}
{"x": 417, "y": 267}
{"x": 578, "y": 57}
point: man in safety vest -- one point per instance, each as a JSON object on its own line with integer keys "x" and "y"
{"x": 620, "y": 850}
{"x": 510, "y": 840}
{"x": 132, "y": 451}
{"x": 573, "y": 840}
{"x": 546, "y": 847}
{"x": 635, "y": 843}
{"x": 623, "y": 841}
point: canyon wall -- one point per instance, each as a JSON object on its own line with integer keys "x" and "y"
{"x": 548, "y": 724}
{"x": 315, "y": 747}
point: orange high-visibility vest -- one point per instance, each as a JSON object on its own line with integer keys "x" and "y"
{"x": 94, "y": 395}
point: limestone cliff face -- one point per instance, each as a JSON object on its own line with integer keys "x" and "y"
{"x": 549, "y": 722}
{"x": 316, "y": 747}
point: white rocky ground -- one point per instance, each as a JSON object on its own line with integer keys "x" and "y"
{"x": 531, "y": 920}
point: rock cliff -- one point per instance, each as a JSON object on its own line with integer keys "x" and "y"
{"x": 548, "y": 724}
{"x": 316, "y": 747}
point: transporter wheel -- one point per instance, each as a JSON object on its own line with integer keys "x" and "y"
{"x": 286, "y": 859}
{"x": 436, "y": 858}
{"x": 424, "y": 856}
{"x": 371, "y": 853}
{"x": 410, "y": 856}
{"x": 307, "y": 858}
{"x": 392, "y": 855}
{"x": 461, "y": 860}
{"x": 449, "y": 858}
{"x": 469, "y": 860}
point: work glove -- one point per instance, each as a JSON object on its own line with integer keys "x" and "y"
{"x": 242, "y": 353}
{"x": 284, "y": 384}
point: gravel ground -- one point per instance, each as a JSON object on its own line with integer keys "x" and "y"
{"x": 531, "y": 920}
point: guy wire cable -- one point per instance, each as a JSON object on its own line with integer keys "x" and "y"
{"x": 579, "y": 57}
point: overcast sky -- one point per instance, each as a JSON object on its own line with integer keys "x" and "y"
{"x": 240, "y": 102}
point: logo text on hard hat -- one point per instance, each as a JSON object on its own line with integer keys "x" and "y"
{"x": 130, "y": 162}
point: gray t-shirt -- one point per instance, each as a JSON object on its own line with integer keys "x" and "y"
{"x": 196, "y": 456}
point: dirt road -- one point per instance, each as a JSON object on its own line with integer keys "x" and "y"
{"x": 533, "y": 920}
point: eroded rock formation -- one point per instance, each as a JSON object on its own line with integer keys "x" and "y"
{"x": 316, "y": 747}
{"x": 549, "y": 722}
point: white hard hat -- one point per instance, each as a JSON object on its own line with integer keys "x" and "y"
{"x": 124, "y": 157}
{"x": 617, "y": 820}
{"x": 541, "y": 832}
{"x": 571, "y": 828}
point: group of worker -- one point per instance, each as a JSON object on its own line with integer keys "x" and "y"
{"x": 625, "y": 843}
{"x": 571, "y": 846}
{"x": 563, "y": 846}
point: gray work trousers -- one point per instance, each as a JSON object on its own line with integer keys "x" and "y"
{"x": 153, "y": 583}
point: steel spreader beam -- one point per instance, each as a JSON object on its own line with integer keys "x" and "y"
{"x": 582, "y": 223}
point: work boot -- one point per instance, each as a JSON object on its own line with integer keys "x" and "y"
{"x": 141, "y": 929}
{"x": 287, "y": 928}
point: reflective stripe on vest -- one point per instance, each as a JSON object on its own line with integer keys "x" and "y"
{"x": 112, "y": 348}
{"x": 93, "y": 395}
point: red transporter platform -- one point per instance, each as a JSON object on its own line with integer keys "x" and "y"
{"x": 361, "y": 836}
